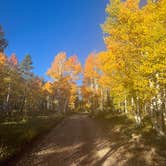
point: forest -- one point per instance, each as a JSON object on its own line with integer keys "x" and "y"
{"x": 127, "y": 78}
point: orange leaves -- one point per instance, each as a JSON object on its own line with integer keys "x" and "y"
{"x": 3, "y": 58}
{"x": 62, "y": 67}
{"x": 65, "y": 71}
{"x": 86, "y": 92}
{"x": 132, "y": 4}
{"x": 13, "y": 60}
{"x": 58, "y": 66}
{"x": 3, "y": 62}
{"x": 90, "y": 69}
{"x": 47, "y": 87}
{"x": 73, "y": 67}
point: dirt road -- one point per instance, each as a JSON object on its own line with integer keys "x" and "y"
{"x": 79, "y": 140}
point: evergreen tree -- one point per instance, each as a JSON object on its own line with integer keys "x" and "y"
{"x": 26, "y": 67}
{"x": 3, "y": 42}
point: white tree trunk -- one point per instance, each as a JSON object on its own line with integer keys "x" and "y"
{"x": 126, "y": 111}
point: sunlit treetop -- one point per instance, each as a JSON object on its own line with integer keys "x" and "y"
{"x": 13, "y": 60}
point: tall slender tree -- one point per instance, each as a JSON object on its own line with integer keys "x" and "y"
{"x": 3, "y": 41}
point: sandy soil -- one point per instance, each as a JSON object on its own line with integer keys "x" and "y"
{"x": 81, "y": 141}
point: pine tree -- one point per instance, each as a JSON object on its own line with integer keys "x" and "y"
{"x": 3, "y": 42}
{"x": 26, "y": 67}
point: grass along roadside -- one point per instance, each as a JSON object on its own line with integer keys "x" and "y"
{"x": 17, "y": 132}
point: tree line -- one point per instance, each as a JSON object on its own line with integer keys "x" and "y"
{"x": 129, "y": 76}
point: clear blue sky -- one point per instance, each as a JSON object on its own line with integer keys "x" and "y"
{"x": 43, "y": 28}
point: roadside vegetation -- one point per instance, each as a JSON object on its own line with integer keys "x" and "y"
{"x": 144, "y": 138}
{"x": 17, "y": 133}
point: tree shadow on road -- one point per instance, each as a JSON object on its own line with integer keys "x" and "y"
{"x": 80, "y": 140}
